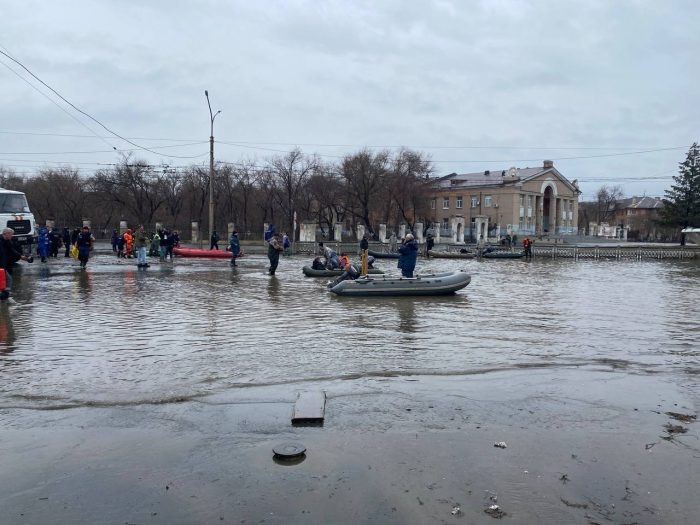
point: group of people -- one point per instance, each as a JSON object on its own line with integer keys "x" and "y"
{"x": 136, "y": 244}
{"x": 50, "y": 241}
{"x": 48, "y": 244}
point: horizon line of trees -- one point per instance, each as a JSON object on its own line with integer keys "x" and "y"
{"x": 365, "y": 187}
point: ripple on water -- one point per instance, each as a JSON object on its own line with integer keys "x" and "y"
{"x": 117, "y": 334}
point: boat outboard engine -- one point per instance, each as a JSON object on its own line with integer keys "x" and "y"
{"x": 350, "y": 272}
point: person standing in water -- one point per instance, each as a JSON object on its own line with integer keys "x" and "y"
{"x": 8, "y": 257}
{"x": 66, "y": 241}
{"x": 274, "y": 248}
{"x": 84, "y": 243}
{"x": 141, "y": 246}
{"x": 235, "y": 247}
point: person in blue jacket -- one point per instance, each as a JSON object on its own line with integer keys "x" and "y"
{"x": 408, "y": 254}
{"x": 235, "y": 247}
{"x": 269, "y": 232}
{"x": 44, "y": 243}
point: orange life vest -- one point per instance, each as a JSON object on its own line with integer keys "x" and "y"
{"x": 344, "y": 261}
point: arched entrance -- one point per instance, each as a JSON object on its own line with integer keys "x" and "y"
{"x": 460, "y": 232}
{"x": 546, "y": 200}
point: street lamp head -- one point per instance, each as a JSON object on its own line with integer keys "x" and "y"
{"x": 206, "y": 93}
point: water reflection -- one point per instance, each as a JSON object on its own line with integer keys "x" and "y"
{"x": 273, "y": 289}
{"x": 7, "y": 331}
{"x": 83, "y": 282}
{"x": 406, "y": 308}
{"x": 209, "y": 325}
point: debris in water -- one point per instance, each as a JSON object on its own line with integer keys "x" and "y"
{"x": 456, "y": 510}
{"x": 574, "y": 505}
{"x": 495, "y": 512}
{"x": 564, "y": 478}
{"x": 500, "y": 444}
{"x": 685, "y": 418}
{"x": 649, "y": 446}
{"x": 675, "y": 429}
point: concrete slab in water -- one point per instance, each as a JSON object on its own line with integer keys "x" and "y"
{"x": 309, "y": 408}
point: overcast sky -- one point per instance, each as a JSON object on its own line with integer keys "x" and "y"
{"x": 474, "y": 84}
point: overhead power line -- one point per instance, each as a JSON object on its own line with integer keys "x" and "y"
{"x": 20, "y": 64}
{"x": 94, "y": 134}
{"x": 243, "y": 143}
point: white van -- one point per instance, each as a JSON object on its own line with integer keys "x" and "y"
{"x": 15, "y": 214}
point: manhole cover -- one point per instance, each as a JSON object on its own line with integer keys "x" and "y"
{"x": 289, "y": 450}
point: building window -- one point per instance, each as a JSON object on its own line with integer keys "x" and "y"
{"x": 432, "y": 204}
{"x": 459, "y": 202}
{"x": 445, "y": 224}
{"x": 445, "y": 203}
{"x": 522, "y": 201}
{"x": 488, "y": 201}
{"x": 475, "y": 202}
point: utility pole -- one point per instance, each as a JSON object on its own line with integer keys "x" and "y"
{"x": 211, "y": 166}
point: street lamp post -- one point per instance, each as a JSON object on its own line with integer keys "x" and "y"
{"x": 211, "y": 166}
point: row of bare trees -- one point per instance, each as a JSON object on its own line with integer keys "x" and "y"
{"x": 367, "y": 187}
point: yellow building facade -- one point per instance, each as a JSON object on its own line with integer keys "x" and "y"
{"x": 518, "y": 201}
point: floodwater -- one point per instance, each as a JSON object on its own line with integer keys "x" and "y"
{"x": 115, "y": 335}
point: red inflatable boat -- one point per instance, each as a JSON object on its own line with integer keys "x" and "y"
{"x": 198, "y": 252}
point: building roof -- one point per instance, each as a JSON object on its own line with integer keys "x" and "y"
{"x": 499, "y": 178}
{"x": 486, "y": 178}
{"x": 649, "y": 203}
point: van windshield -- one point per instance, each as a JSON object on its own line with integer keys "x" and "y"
{"x": 13, "y": 203}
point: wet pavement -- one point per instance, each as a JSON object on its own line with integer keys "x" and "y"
{"x": 115, "y": 382}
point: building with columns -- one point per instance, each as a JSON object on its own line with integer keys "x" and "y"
{"x": 522, "y": 201}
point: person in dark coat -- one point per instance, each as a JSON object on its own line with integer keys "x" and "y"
{"x": 214, "y": 244}
{"x": 235, "y": 247}
{"x": 84, "y": 242}
{"x": 429, "y": 244}
{"x": 66, "y": 241}
{"x": 74, "y": 235}
{"x": 408, "y": 254}
{"x": 274, "y": 248}
{"x": 364, "y": 243}
{"x": 55, "y": 242}
{"x": 167, "y": 243}
{"x": 115, "y": 240}
{"x": 8, "y": 257}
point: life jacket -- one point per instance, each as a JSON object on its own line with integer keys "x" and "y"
{"x": 344, "y": 261}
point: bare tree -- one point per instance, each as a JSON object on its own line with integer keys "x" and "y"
{"x": 409, "y": 185}
{"x": 10, "y": 179}
{"x": 291, "y": 173}
{"x": 606, "y": 200}
{"x": 365, "y": 173}
{"x": 136, "y": 186}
